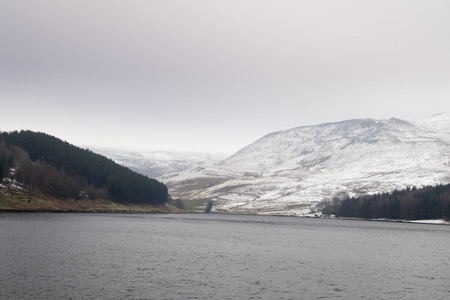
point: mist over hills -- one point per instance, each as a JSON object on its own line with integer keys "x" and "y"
{"x": 293, "y": 171}
{"x": 158, "y": 162}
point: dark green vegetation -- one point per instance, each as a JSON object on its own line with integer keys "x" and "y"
{"x": 410, "y": 204}
{"x": 54, "y": 167}
{"x": 192, "y": 206}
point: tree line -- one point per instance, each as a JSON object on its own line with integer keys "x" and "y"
{"x": 430, "y": 202}
{"x": 55, "y": 167}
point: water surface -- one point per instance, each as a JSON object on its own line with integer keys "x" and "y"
{"x": 209, "y": 256}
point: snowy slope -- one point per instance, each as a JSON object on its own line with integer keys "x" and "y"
{"x": 157, "y": 163}
{"x": 291, "y": 171}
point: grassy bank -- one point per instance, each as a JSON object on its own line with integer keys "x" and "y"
{"x": 42, "y": 203}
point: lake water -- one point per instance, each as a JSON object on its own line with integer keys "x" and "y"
{"x": 210, "y": 256}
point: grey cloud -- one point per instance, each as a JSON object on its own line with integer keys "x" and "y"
{"x": 259, "y": 65}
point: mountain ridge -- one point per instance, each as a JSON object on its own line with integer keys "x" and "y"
{"x": 291, "y": 171}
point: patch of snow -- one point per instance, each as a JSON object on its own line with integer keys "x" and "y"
{"x": 431, "y": 222}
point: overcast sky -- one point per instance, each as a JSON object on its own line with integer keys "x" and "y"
{"x": 216, "y": 75}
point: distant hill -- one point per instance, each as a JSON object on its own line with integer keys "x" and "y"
{"x": 294, "y": 171}
{"x": 40, "y": 162}
{"x": 155, "y": 163}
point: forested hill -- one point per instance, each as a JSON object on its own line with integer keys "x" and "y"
{"x": 50, "y": 165}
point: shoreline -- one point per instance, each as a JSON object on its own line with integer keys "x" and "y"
{"x": 33, "y": 204}
{"x": 38, "y": 203}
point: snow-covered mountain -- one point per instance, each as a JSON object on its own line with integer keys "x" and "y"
{"x": 293, "y": 171}
{"x": 157, "y": 163}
